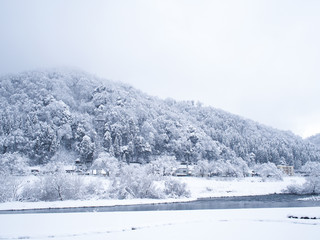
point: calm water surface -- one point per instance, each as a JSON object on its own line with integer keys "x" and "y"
{"x": 264, "y": 201}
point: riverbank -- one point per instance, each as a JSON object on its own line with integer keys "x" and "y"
{"x": 198, "y": 187}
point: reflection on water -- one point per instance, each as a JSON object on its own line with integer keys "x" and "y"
{"x": 264, "y": 201}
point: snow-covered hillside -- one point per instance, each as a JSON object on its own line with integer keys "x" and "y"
{"x": 60, "y": 115}
{"x": 315, "y": 139}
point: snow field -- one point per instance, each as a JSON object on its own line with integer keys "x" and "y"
{"x": 224, "y": 187}
{"x": 198, "y": 224}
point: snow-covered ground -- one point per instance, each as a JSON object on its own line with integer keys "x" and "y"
{"x": 198, "y": 187}
{"x": 194, "y": 224}
{"x": 222, "y": 187}
{"x": 198, "y": 224}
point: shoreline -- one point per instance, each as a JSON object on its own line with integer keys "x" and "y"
{"x": 200, "y": 188}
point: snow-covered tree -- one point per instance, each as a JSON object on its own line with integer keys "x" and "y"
{"x": 13, "y": 164}
{"x": 175, "y": 189}
{"x": 164, "y": 165}
{"x": 56, "y": 184}
{"x": 86, "y": 149}
{"x": 202, "y": 168}
{"x": 134, "y": 182}
{"x": 268, "y": 170}
{"x": 10, "y": 187}
{"x": 107, "y": 163}
{"x": 312, "y": 184}
{"x": 311, "y": 168}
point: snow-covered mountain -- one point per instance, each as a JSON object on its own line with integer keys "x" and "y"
{"x": 57, "y": 114}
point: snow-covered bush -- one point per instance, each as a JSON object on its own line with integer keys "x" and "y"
{"x": 241, "y": 168}
{"x": 311, "y": 168}
{"x": 294, "y": 189}
{"x": 202, "y": 168}
{"x": 107, "y": 163}
{"x": 164, "y": 165}
{"x": 33, "y": 190}
{"x": 268, "y": 170}
{"x": 63, "y": 186}
{"x": 57, "y": 186}
{"x": 134, "y": 182}
{"x": 174, "y": 189}
{"x": 94, "y": 187}
{"x": 312, "y": 184}
{"x": 217, "y": 168}
{"x": 13, "y": 164}
{"x": 9, "y": 188}
{"x": 235, "y": 167}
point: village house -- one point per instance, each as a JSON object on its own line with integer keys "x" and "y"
{"x": 183, "y": 170}
{"x": 288, "y": 170}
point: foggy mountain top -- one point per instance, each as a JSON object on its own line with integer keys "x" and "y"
{"x": 254, "y": 59}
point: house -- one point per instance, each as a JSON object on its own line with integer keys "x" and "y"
{"x": 69, "y": 169}
{"x": 79, "y": 165}
{"x": 102, "y": 172}
{"x": 252, "y": 173}
{"x": 135, "y": 164}
{"x": 35, "y": 170}
{"x": 183, "y": 170}
{"x": 288, "y": 170}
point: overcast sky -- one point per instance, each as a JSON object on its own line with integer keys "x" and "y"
{"x": 258, "y": 59}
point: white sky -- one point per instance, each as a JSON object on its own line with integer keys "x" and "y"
{"x": 258, "y": 59}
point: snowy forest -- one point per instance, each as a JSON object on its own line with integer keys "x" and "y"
{"x": 57, "y": 118}
{"x": 315, "y": 139}
{"x": 62, "y": 115}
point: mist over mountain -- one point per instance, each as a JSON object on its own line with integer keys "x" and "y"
{"x": 63, "y": 115}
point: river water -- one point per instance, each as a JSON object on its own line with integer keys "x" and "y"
{"x": 264, "y": 201}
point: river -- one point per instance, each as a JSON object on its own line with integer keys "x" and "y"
{"x": 261, "y": 201}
